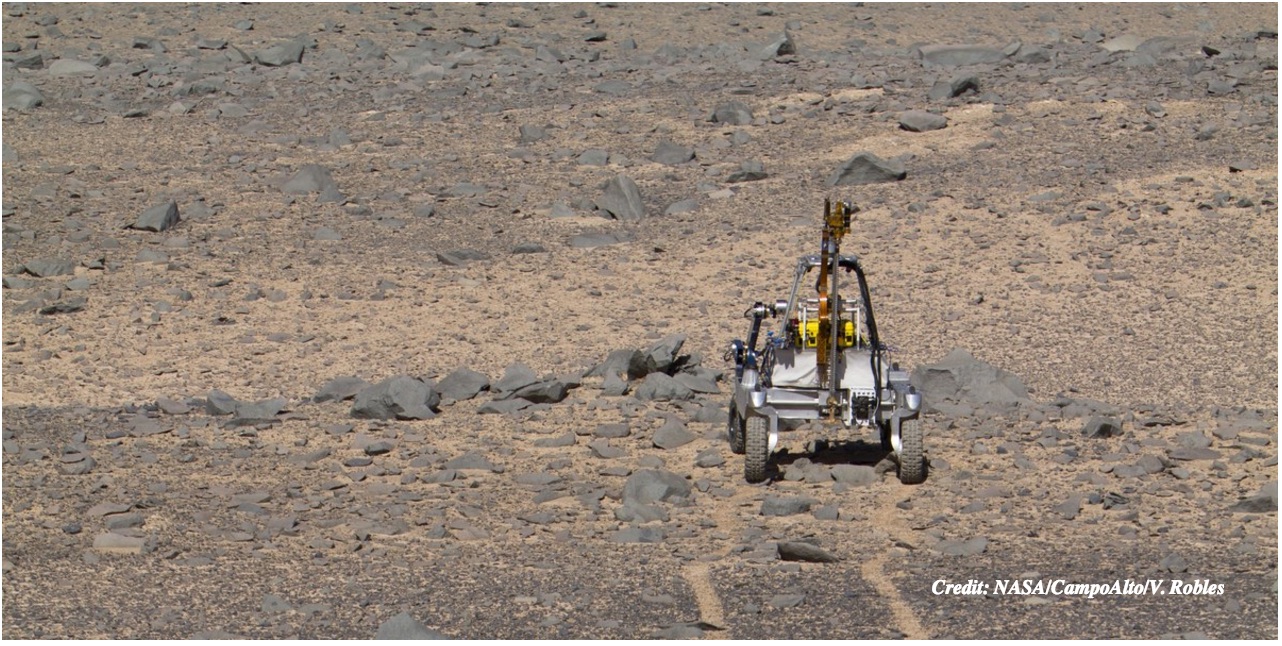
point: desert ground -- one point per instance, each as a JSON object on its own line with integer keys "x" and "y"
{"x": 227, "y": 226}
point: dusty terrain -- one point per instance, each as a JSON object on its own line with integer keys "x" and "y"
{"x": 1099, "y": 217}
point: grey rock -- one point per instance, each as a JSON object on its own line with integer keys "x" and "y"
{"x": 633, "y": 512}
{"x": 622, "y": 200}
{"x": 515, "y": 377}
{"x": 404, "y": 626}
{"x": 629, "y": 363}
{"x": 960, "y": 55}
{"x": 662, "y": 355}
{"x": 683, "y": 206}
{"x": 749, "y": 171}
{"x": 660, "y": 387}
{"x": 857, "y": 475}
{"x": 697, "y": 383}
{"x": 340, "y": 389}
{"x": 671, "y": 435}
{"x": 593, "y": 157}
{"x": 266, "y": 409}
{"x": 1189, "y": 454}
{"x": 1263, "y": 502}
{"x": 672, "y": 154}
{"x": 801, "y": 551}
{"x": 326, "y": 233}
{"x": 782, "y": 45}
{"x": 286, "y": 53}
{"x": 786, "y": 505}
{"x": 962, "y": 377}
{"x": 220, "y": 403}
{"x": 549, "y": 391}
{"x": 461, "y": 257}
{"x": 734, "y": 113}
{"x": 503, "y": 407}
{"x": 531, "y": 134}
{"x": 1069, "y": 509}
{"x": 867, "y": 168}
{"x": 158, "y": 218}
{"x": 787, "y": 600}
{"x": 589, "y": 240}
{"x": 68, "y": 67}
{"x": 396, "y": 398}
{"x": 119, "y": 544}
{"x": 1173, "y": 563}
{"x": 68, "y": 306}
{"x": 638, "y": 535}
{"x": 952, "y": 88}
{"x": 473, "y": 460}
{"x": 528, "y": 247}
{"x": 22, "y": 96}
{"x": 922, "y": 121}
{"x": 1102, "y": 427}
{"x": 614, "y": 386}
{"x": 463, "y": 384}
{"x": 46, "y": 267}
{"x": 613, "y": 431}
{"x": 273, "y": 605}
{"x": 969, "y": 547}
{"x": 313, "y": 178}
{"x": 652, "y": 485}
{"x": 709, "y": 458}
{"x": 560, "y": 441}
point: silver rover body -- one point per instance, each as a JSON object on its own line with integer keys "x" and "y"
{"x": 824, "y": 360}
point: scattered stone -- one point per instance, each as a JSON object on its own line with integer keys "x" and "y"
{"x": 313, "y": 178}
{"x": 220, "y": 403}
{"x": 1069, "y": 509}
{"x": 638, "y": 535}
{"x": 733, "y": 113}
{"x": 622, "y": 200}
{"x": 22, "y": 96}
{"x": 802, "y": 551}
{"x": 672, "y": 434}
{"x": 922, "y": 121}
{"x": 1102, "y": 427}
{"x": 463, "y": 384}
{"x": 786, "y": 505}
{"x": 709, "y": 458}
{"x": 286, "y": 53}
{"x": 404, "y": 627}
{"x": 515, "y": 377}
{"x": 267, "y": 409}
{"x": 749, "y": 171}
{"x": 782, "y": 601}
{"x": 158, "y": 218}
{"x": 113, "y": 543}
{"x": 962, "y": 377}
{"x": 672, "y": 154}
{"x": 867, "y": 168}
{"x": 1263, "y": 502}
{"x": 559, "y": 441}
{"x": 960, "y": 55}
{"x": 782, "y": 45}
{"x": 46, "y": 267}
{"x": 460, "y": 257}
{"x": 531, "y": 134}
{"x": 396, "y": 398}
{"x": 969, "y": 547}
{"x": 549, "y": 391}
{"x": 855, "y": 475}
{"x": 340, "y": 389}
{"x": 953, "y": 88}
{"x": 660, "y": 387}
{"x": 1173, "y": 563}
{"x": 68, "y": 67}
{"x": 651, "y": 485}
{"x": 589, "y": 240}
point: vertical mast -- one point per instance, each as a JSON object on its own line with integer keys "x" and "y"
{"x": 836, "y": 223}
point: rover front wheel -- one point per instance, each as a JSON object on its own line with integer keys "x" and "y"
{"x": 912, "y": 453}
{"x": 756, "y": 448}
{"x": 735, "y": 430}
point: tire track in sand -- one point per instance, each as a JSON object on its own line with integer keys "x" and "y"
{"x": 887, "y": 517}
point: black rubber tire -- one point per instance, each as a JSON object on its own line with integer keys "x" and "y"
{"x": 735, "y": 430}
{"x": 757, "y": 448}
{"x": 912, "y": 456}
{"x": 884, "y": 427}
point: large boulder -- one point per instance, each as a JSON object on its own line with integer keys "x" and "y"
{"x": 867, "y": 168}
{"x": 652, "y": 485}
{"x": 463, "y": 384}
{"x": 397, "y": 398}
{"x": 961, "y": 377}
{"x": 658, "y": 386}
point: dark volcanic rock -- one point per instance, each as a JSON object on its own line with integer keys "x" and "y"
{"x": 786, "y": 505}
{"x": 962, "y": 377}
{"x": 952, "y": 88}
{"x": 651, "y": 486}
{"x": 258, "y": 411}
{"x": 396, "y": 398}
{"x": 220, "y": 403}
{"x": 313, "y": 178}
{"x": 801, "y": 551}
{"x": 1101, "y": 427}
{"x": 867, "y": 168}
{"x": 959, "y": 55}
{"x": 515, "y": 377}
{"x": 45, "y": 267}
{"x": 672, "y": 434}
{"x": 622, "y": 199}
{"x": 340, "y": 389}
{"x": 463, "y": 384}
{"x": 286, "y": 53}
{"x": 404, "y": 626}
{"x": 922, "y": 121}
{"x": 22, "y": 96}
{"x": 734, "y": 113}
{"x": 549, "y": 391}
{"x": 672, "y": 154}
{"x": 158, "y": 218}
{"x": 660, "y": 387}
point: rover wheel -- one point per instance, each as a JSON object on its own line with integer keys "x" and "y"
{"x": 756, "y": 447}
{"x": 735, "y": 430}
{"x": 912, "y": 458}
{"x": 884, "y": 427}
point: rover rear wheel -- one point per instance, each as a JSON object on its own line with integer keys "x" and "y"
{"x": 735, "y": 430}
{"x": 912, "y": 454}
{"x": 757, "y": 448}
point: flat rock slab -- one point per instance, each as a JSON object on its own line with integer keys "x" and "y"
{"x": 160, "y": 217}
{"x": 867, "y": 168}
